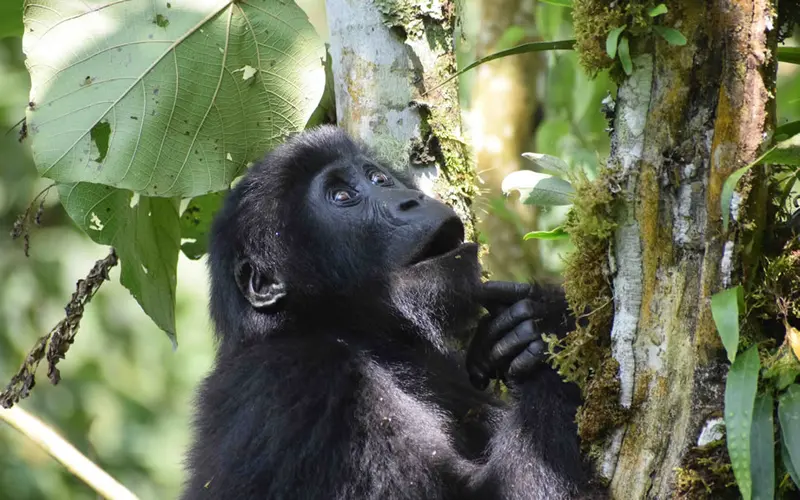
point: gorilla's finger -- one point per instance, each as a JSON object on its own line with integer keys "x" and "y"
{"x": 477, "y": 366}
{"x": 503, "y": 292}
{"x": 511, "y": 345}
{"x": 529, "y": 359}
{"x": 509, "y": 318}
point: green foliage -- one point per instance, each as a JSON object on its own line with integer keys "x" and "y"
{"x": 196, "y": 223}
{"x": 671, "y": 35}
{"x": 789, "y": 416}
{"x": 538, "y": 189}
{"x": 525, "y": 48}
{"x": 657, "y": 10}
{"x": 762, "y": 449}
{"x": 557, "y": 233}
{"x": 725, "y": 310}
{"x": 185, "y": 104}
{"x": 146, "y": 233}
{"x": 10, "y": 18}
{"x": 789, "y": 55}
{"x": 740, "y": 395}
{"x": 560, "y": 3}
{"x": 549, "y": 164}
{"x": 785, "y": 152}
{"x": 625, "y": 56}
{"x": 613, "y": 40}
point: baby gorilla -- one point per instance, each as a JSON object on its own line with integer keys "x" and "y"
{"x": 338, "y": 291}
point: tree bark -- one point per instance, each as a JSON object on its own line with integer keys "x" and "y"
{"x": 386, "y": 55}
{"x": 685, "y": 120}
{"x": 502, "y": 117}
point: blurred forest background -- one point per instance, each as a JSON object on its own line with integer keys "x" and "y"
{"x": 125, "y": 395}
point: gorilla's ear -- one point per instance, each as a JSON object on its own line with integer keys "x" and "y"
{"x": 260, "y": 289}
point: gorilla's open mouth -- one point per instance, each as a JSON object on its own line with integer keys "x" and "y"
{"x": 447, "y": 238}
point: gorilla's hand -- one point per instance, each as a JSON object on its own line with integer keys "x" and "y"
{"x": 508, "y": 343}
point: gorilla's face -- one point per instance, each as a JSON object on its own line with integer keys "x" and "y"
{"x": 368, "y": 224}
{"x": 371, "y": 230}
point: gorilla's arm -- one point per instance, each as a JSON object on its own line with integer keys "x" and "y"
{"x": 535, "y": 452}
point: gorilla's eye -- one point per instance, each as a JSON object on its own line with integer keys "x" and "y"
{"x": 342, "y": 196}
{"x": 379, "y": 178}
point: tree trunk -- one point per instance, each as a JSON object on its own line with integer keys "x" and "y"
{"x": 386, "y": 55}
{"x": 685, "y": 120}
{"x": 502, "y": 117}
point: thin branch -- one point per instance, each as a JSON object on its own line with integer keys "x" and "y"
{"x": 83, "y": 468}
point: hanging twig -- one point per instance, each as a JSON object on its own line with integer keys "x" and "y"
{"x": 54, "y": 344}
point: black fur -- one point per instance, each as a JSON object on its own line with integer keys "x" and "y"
{"x": 345, "y": 385}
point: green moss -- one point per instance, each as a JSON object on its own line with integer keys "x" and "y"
{"x": 594, "y": 19}
{"x": 591, "y": 225}
{"x": 601, "y": 410}
{"x": 706, "y": 474}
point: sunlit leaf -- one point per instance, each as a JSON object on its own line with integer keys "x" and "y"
{"x": 613, "y": 40}
{"x": 740, "y": 395}
{"x": 625, "y": 56}
{"x": 762, "y": 449}
{"x": 519, "y": 49}
{"x": 538, "y": 189}
{"x": 789, "y": 417}
{"x": 671, "y": 35}
{"x": 550, "y": 164}
{"x": 725, "y": 311}
{"x": 657, "y": 10}
{"x": 146, "y": 233}
{"x": 785, "y": 152}
{"x": 166, "y": 98}
{"x": 560, "y": 3}
{"x": 554, "y": 234}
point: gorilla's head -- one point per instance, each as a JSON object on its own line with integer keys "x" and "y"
{"x": 319, "y": 231}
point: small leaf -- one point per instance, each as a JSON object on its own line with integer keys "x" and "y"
{"x": 725, "y": 311}
{"x": 146, "y": 234}
{"x": 196, "y": 223}
{"x": 657, "y": 10}
{"x": 538, "y": 189}
{"x": 613, "y": 39}
{"x": 560, "y": 3}
{"x": 740, "y": 395}
{"x": 785, "y": 152}
{"x": 787, "y": 130}
{"x": 762, "y": 449}
{"x": 625, "y": 56}
{"x": 789, "y": 55}
{"x": 672, "y": 36}
{"x": 519, "y": 49}
{"x": 551, "y": 164}
{"x": 557, "y": 233}
{"x": 789, "y": 417}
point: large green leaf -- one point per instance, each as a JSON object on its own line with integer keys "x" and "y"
{"x": 166, "y": 98}
{"x": 740, "y": 395}
{"x": 762, "y": 449}
{"x": 789, "y": 417}
{"x": 146, "y": 233}
{"x": 789, "y": 54}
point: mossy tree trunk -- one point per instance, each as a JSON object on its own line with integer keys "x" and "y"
{"x": 685, "y": 120}
{"x": 386, "y": 55}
